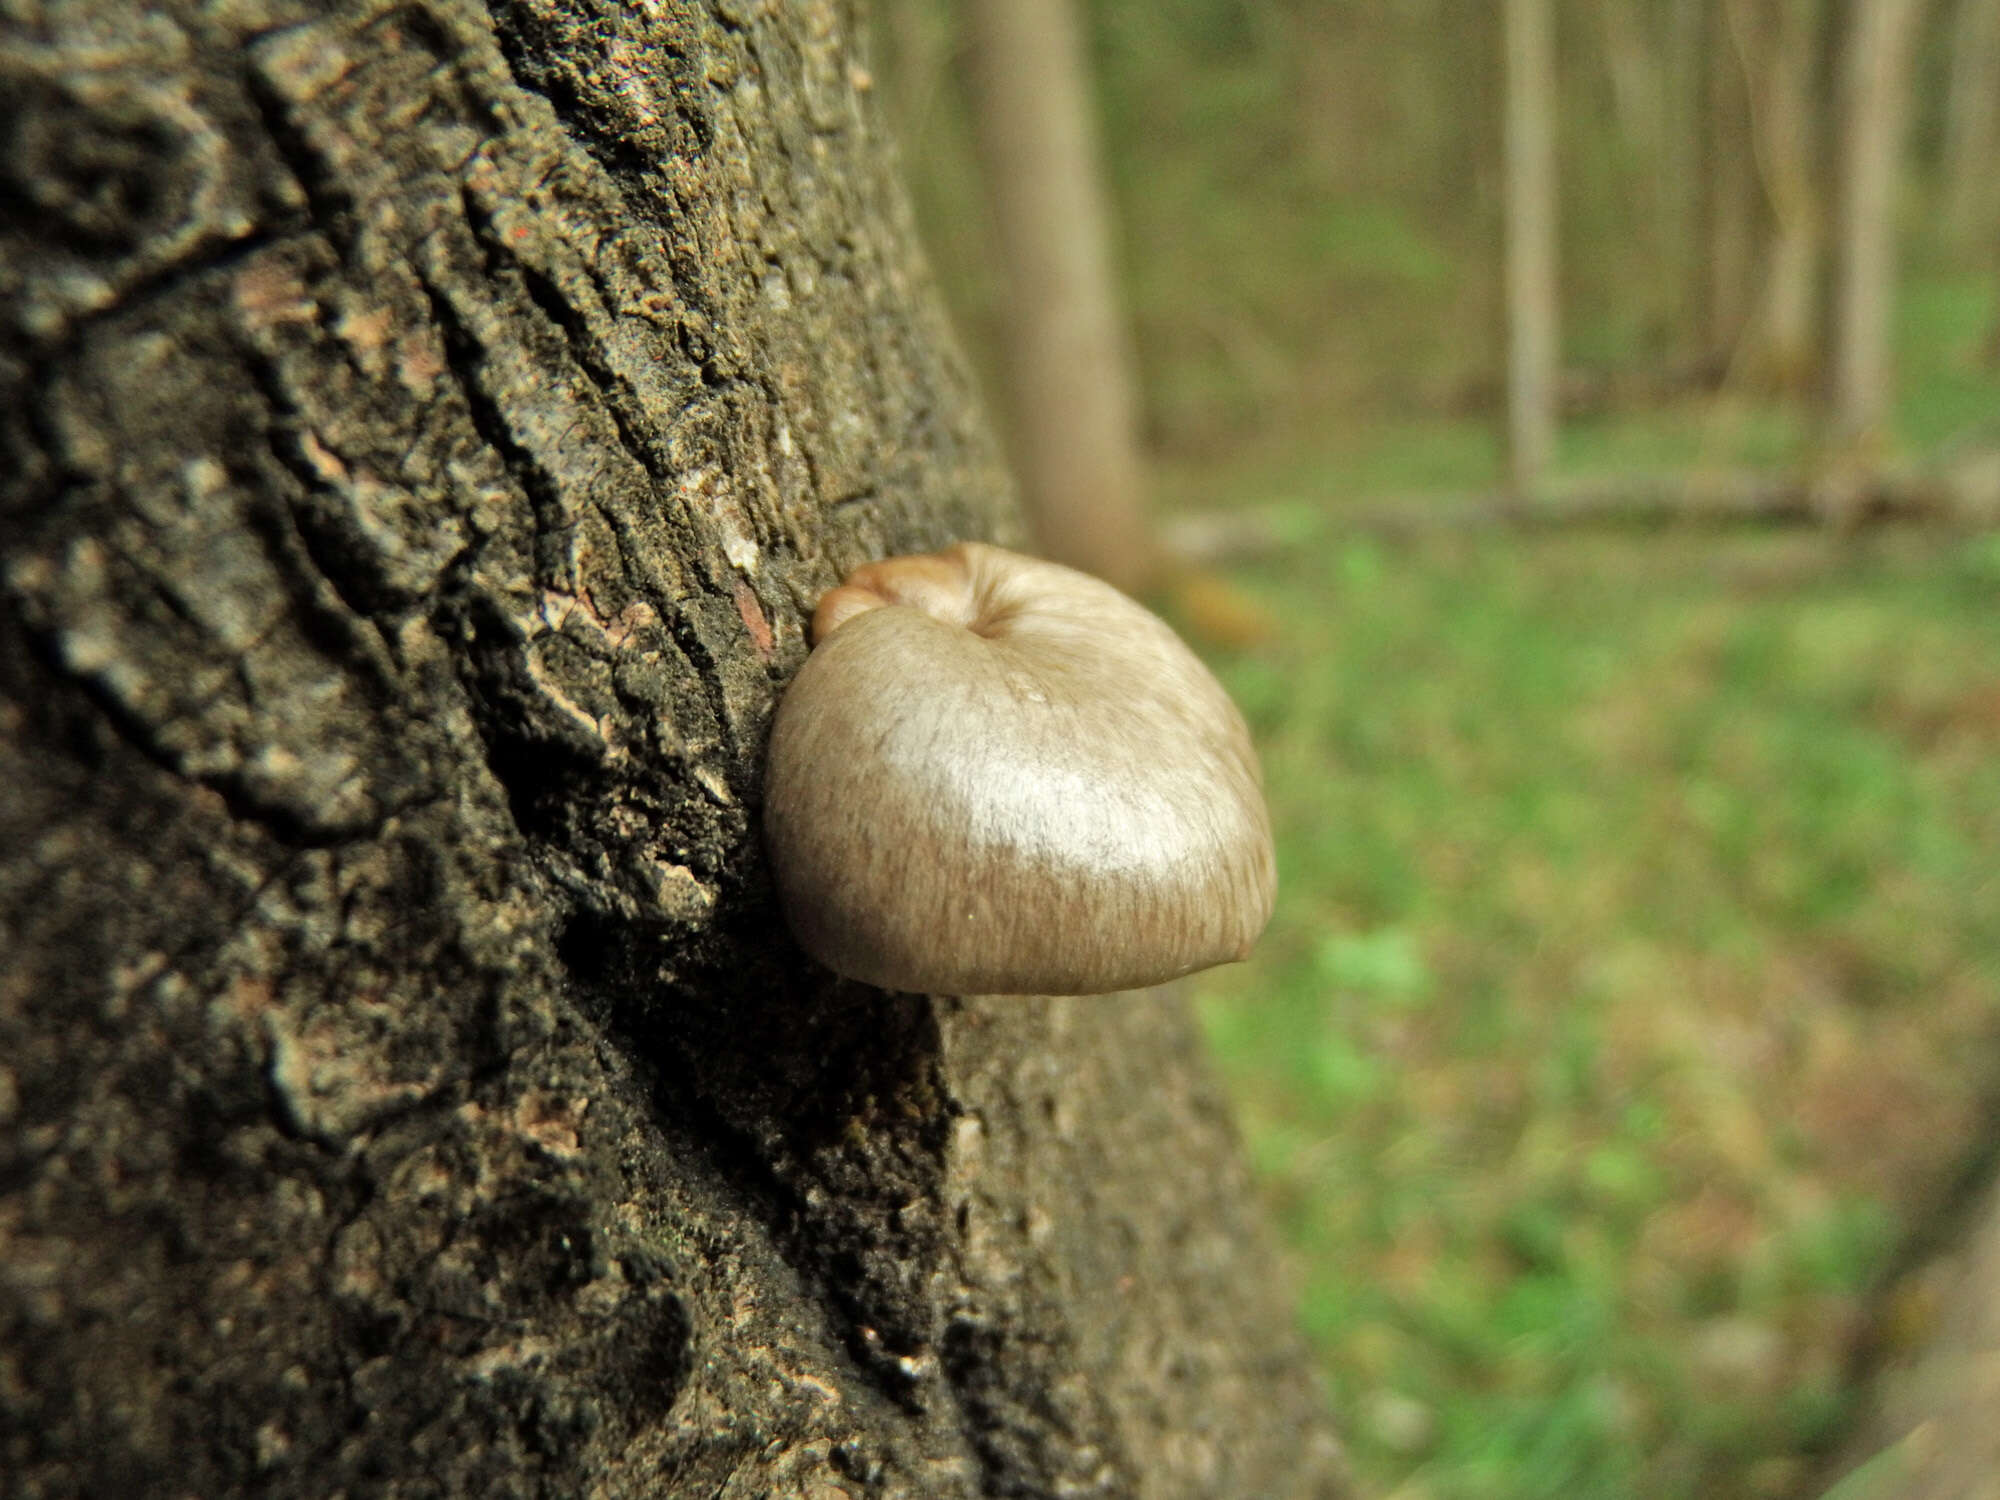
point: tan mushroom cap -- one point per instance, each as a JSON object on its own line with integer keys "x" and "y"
{"x": 996, "y": 775}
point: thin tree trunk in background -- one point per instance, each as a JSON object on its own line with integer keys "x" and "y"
{"x": 1635, "y": 73}
{"x": 1066, "y": 358}
{"x": 1324, "y": 59}
{"x": 423, "y": 431}
{"x": 1533, "y": 337}
{"x": 1641, "y": 66}
{"x": 1679, "y": 192}
{"x": 915, "y": 42}
{"x": 1780, "y": 39}
{"x": 1874, "y": 105}
{"x": 1731, "y": 194}
{"x": 1972, "y": 132}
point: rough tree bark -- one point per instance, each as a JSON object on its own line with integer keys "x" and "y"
{"x": 424, "y": 429}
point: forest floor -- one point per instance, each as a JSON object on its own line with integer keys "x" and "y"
{"x": 1632, "y": 1007}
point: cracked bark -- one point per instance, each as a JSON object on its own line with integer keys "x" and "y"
{"x": 425, "y": 428}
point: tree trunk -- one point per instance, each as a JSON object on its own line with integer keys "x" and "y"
{"x": 1972, "y": 132}
{"x": 1780, "y": 40}
{"x": 1927, "y": 1432}
{"x": 1533, "y": 341}
{"x": 1875, "y": 76}
{"x": 1731, "y": 193}
{"x": 424, "y": 431}
{"x": 1680, "y": 191}
{"x": 1635, "y": 67}
{"x": 1064, "y": 353}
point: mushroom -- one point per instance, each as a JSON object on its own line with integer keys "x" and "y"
{"x": 996, "y": 775}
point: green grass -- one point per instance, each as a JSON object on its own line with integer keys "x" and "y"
{"x": 1634, "y": 989}
{"x": 1636, "y": 957}
{"x": 1946, "y": 326}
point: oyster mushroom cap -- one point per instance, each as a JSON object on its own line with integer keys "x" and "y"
{"x": 997, "y": 775}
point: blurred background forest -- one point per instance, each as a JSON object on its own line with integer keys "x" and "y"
{"x": 1570, "y": 428}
